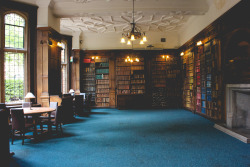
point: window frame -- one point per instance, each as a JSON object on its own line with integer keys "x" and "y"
{"x": 65, "y": 64}
{"x": 23, "y": 50}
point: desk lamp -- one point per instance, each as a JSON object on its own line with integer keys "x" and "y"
{"x": 30, "y": 96}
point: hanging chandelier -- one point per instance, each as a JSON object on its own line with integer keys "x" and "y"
{"x": 134, "y": 33}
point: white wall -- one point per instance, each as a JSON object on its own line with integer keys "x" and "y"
{"x": 53, "y": 22}
{"x": 98, "y": 41}
{"x": 42, "y": 17}
{"x": 197, "y": 23}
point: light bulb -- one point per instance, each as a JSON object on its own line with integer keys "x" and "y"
{"x": 93, "y": 57}
{"x": 97, "y": 57}
{"x": 167, "y": 57}
{"x": 182, "y": 53}
{"x": 144, "y": 38}
{"x": 163, "y": 56}
{"x": 59, "y": 44}
{"x": 131, "y": 60}
{"x": 129, "y": 42}
{"x": 123, "y": 40}
{"x": 141, "y": 42}
{"x": 132, "y": 38}
{"x": 126, "y": 60}
{"x": 199, "y": 43}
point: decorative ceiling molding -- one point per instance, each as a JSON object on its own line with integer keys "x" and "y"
{"x": 105, "y": 24}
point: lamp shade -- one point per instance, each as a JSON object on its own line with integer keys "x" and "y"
{"x": 29, "y": 96}
{"x": 71, "y": 91}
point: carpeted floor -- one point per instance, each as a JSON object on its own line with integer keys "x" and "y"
{"x": 135, "y": 138}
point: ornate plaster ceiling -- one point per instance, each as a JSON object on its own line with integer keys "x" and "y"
{"x": 104, "y": 24}
{"x": 102, "y": 16}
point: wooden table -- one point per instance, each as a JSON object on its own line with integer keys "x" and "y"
{"x": 35, "y": 112}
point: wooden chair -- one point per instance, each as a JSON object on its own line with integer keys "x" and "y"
{"x": 67, "y": 109}
{"x": 56, "y": 121}
{"x": 52, "y": 115}
{"x": 78, "y": 105}
{"x": 18, "y": 123}
{"x": 87, "y": 105}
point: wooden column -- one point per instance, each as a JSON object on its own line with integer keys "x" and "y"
{"x": 112, "y": 81}
{"x": 42, "y": 67}
{"x": 75, "y": 70}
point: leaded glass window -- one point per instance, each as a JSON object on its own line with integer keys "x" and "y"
{"x": 64, "y": 71}
{"x": 14, "y": 58}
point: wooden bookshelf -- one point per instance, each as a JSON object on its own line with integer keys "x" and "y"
{"x": 199, "y": 52}
{"x": 188, "y": 88}
{"x": 88, "y": 78}
{"x": 137, "y": 82}
{"x": 158, "y": 82}
{"x": 173, "y": 84}
{"x": 102, "y": 82}
{"x": 123, "y": 71}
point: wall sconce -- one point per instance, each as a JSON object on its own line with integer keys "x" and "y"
{"x": 199, "y": 43}
{"x": 131, "y": 60}
{"x": 182, "y": 54}
{"x": 59, "y": 44}
{"x": 94, "y": 57}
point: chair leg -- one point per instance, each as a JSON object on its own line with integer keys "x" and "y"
{"x": 61, "y": 128}
{"x": 13, "y": 135}
{"x": 56, "y": 129}
{"x": 41, "y": 127}
{"x": 23, "y": 137}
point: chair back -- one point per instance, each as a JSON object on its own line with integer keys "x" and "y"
{"x": 79, "y": 104}
{"x": 26, "y": 104}
{"x": 59, "y": 115}
{"x": 2, "y": 106}
{"x": 18, "y": 121}
{"x": 88, "y": 100}
{"x": 67, "y": 109}
{"x": 55, "y": 106}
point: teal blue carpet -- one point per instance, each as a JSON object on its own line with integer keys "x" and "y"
{"x": 135, "y": 138}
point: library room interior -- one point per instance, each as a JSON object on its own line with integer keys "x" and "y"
{"x": 125, "y": 83}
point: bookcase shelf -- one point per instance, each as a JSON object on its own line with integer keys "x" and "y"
{"x": 188, "y": 88}
{"x": 130, "y": 77}
{"x": 102, "y": 82}
{"x": 165, "y": 81}
{"x": 205, "y": 88}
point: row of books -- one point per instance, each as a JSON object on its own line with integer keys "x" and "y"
{"x": 102, "y": 71}
{"x": 134, "y": 91}
{"x": 102, "y": 82}
{"x": 101, "y": 76}
{"x": 101, "y": 86}
{"x": 138, "y": 81}
{"x": 138, "y": 87}
{"x": 123, "y": 87}
{"x": 123, "y": 72}
{"x": 106, "y": 99}
{"x": 122, "y": 68}
{"x": 102, "y": 90}
{"x": 123, "y": 91}
{"x": 102, "y": 95}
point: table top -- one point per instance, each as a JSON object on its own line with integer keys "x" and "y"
{"x": 37, "y": 110}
